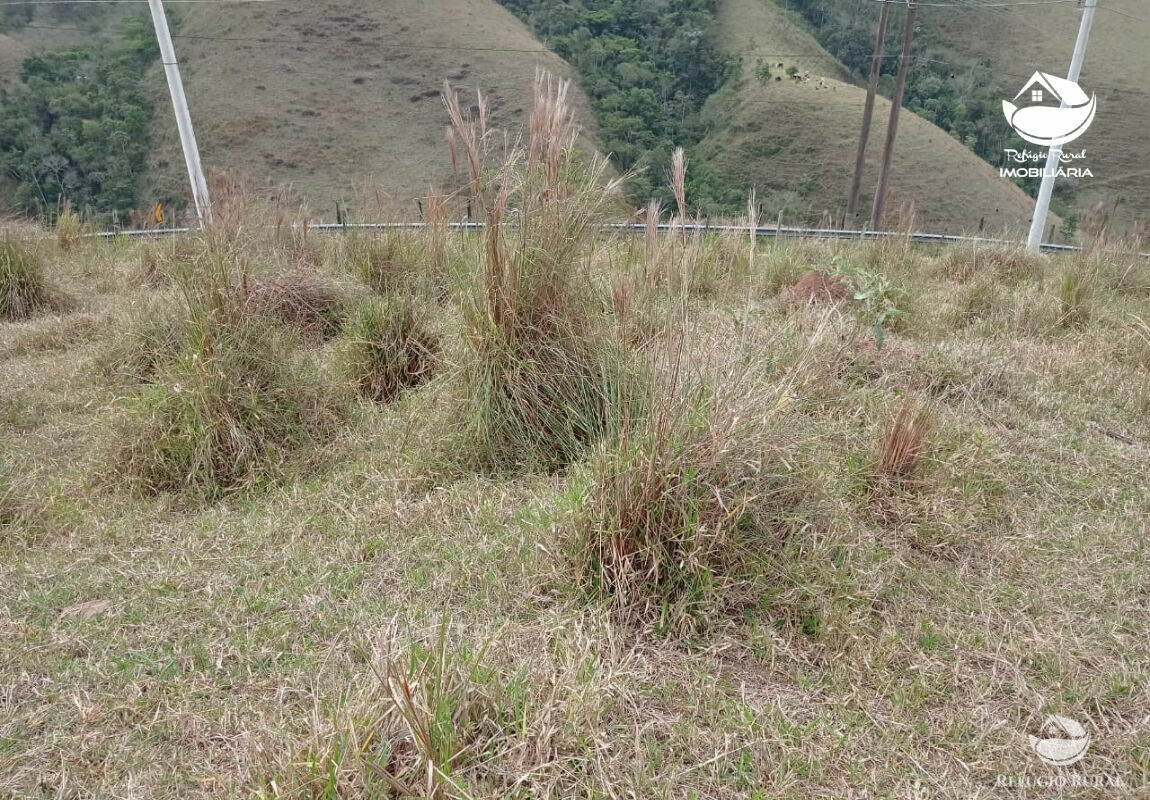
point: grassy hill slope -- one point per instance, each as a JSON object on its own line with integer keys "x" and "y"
{"x": 795, "y": 141}
{"x": 331, "y": 96}
{"x": 56, "y": 27}
{"x": 1018, "y": 41}
{"x": 12, "y": 52}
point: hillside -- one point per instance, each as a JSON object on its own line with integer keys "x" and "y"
{"x": 339, "y": 97}
{"x": 12, "y": 52}
{"x": 969, "y": 57}
{"x": 1018, "y": 41}
{"x": 340, "y": 100}
{"x": 795, "y": 141}
{"x": 47, "y": 28}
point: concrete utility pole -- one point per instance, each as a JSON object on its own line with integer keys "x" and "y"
{"x": 1054, "y": 154}
{"x": 183, "y": 117}
{"x": 895, "y": 107}
{"x": 868, "y": 112}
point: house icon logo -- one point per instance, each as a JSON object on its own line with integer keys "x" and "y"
{"x": 1055, "y": 110}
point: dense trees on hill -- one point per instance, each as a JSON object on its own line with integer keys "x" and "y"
{"x": 648, "y": 68}
{"x": 76, "y": 126}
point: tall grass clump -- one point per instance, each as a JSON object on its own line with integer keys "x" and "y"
{"x": 386, "y": 263}
{"x": 152, "y": 333}
{"x": 443, "y": 715}
{"x": 996, "y": 263}
{"x": 23, "y": 289}
{"x": 542, "y": 375}
{"x": 1073, "y": 298}
{"x": 389, "y": 348}
{"x": 69, "y": 227}
{"x": 683, "y": 505}
{"x": 227, "y": 405}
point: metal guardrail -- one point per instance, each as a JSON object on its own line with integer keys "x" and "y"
{"x": 638, "y": 227}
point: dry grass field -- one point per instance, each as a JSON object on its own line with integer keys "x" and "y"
{"x": 541, "y": 512}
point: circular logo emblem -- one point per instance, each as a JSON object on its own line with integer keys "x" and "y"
{"x": 1065, "y": 743}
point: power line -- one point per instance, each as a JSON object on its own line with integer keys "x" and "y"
{"x": 1123, "y": 13}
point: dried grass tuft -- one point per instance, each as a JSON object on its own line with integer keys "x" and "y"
{"x": 542, "y": 376}
{"x": 817, "y": 288}
{"x": 685, "y": 502}
{"x": 387, "y": 263}
{"x": 905, "y": 445}
{"x": 1074, "y": 290}
{"x": 963, "y": 263}
{"x": 69, "y": 228}
{"x": 301, "y": 300}
{"x": 226, "y": 406}
{"x": 152, "y": 335}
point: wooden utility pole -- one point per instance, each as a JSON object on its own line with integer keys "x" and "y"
{"x": 868, "y": 113}
{"x": 895, "y": 106}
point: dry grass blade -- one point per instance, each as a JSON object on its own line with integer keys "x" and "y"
{"x": 679, "y": 188}
{"x": 439, "y": 697}
{"x": 471, "y": 135}
{"x": 905, "y": 443}
{"x": 550, "y": 129}
{"x": 651, "y": 240}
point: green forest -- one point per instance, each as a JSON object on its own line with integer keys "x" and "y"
{"x": 76, "y": 126}
{"x": 648, "y": 69}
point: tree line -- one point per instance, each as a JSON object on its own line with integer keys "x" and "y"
{"x": 648, "y": 69}
{"x": 76, "y": 126}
